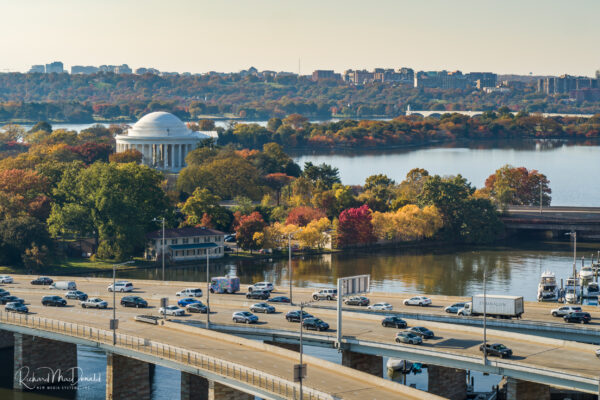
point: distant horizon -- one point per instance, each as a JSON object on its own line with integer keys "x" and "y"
{"x": 545, "y": 38}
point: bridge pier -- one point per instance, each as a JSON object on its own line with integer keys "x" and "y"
{"x": 217, "y": 391}
{"x": 368, "y": 363}
{"x": 51, "y": 362}
{"x": 523, "y": 390}
{"x": 193, "y": 387}
{"x": 7, "y": 340}
{"x": 127, "y": 378}
{"x": 450, "y": 383}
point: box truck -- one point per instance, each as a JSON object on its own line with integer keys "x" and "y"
{"x": 496, "y": 306}
{"x": 225, "y": 284}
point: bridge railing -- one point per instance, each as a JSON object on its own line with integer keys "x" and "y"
{"x": 249, "y": 376}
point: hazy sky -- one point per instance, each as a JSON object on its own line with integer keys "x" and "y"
{"x": 504, "y": 36}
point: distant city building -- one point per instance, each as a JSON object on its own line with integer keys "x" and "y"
{"x": 585, "y": 95}
{"x": 56, "y": 67}
{"x": 123, "y": 69}
{"x": 565, "y": 84}
{"x": 496, "y": 89}
{"x": 81, "y": 69}
{"x": 482, "y": 79}
{"x": 441, "y": 80}
{"x": 40, "y": 69}
{"x": 322, "y": 74}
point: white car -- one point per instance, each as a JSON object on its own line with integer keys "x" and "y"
{"x": 6, "y": 279}
{"x": 121, "y": 286}
{"x": 94, "y": 302}
{"x": 418, "y": 301}
{"x": 598, "y": 353}
{"x": 171, "y": 310}
{"x": 566, "y": 310}
{"x": 190, "y": 292}
{"x": 268, "y": 286}
{"x": 380, "y": 307}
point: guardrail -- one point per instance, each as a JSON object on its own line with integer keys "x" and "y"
{"x": 270, "y": 383}
{"x": 499, "y": 367}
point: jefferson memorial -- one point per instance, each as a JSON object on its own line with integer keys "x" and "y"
{"x": 163, "y": 139}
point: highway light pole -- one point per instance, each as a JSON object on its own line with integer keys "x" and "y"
{"x": 207, "y": 292}
{"x": 113, "y": 323}
{"x": 290, "y": 261}
{"x": 484, "y": 319}
{"x": 163, "y": 245}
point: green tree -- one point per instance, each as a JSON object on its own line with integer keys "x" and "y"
{"x": 323, "y": 175}
{"x": 19, "y": 234}
{"x": 202, "y": 203}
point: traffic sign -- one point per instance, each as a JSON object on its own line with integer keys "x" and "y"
{"x": 352, "y": 285}
{"x": 299, "y": 372}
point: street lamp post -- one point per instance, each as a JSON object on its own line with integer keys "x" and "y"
{"x": 207, "y": 292}
{"x": 301, "y": 368}
{"x": 484, "y": 319}
{"x": 114, "y": 320}
{"x": 290, "y": 261}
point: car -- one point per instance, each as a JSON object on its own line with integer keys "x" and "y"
{"x": 244, "y": 317}
{"x": 453, "y": 309}
{"x": 294, "y": 316}
{"x": 16, "y": 307}
{"x": 577, "y": 317}
{"x": 121, "y": 286}
{"x": 564, "y": 310}
{"x": 422, "y": 331}
{"x": 4, "y": 292}
{"x": 229, "y": 238}
{"x": 76, "y": 295}
{"x": 496, "y": 349}
{"x": 171, "y": 310}
{"x": 197, "y": 307}
{"x": 134, "y": 301}
{"x": 190, "y": 292}
{"x": 262, "y": 307}
{"x": 417, "y": 301}
{"x": 394, "y": 322}
{"x": 357, "y": 301}
{"x": 6, "y": 279}
{"x": 279, "y": 299}
{"x": 185, "y": 302}
{"x": 42, "y": 280}
{"x": 94, "y": 302}
{"x": 11, "y": 299}
{"x": 380, "y": 307}
{"x": 598, "y": 353}
{"x": 325, "y": 294}
{"x": 268, "y": 286}
{"x": 55, "y": 301}
{"x": 63, "y": 285}
{"x": 315, "y": 323}
{"x": 408, "y": 337}
{"x": 258, "y": 294}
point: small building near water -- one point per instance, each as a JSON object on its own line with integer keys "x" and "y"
{"x": 185, "y": 244}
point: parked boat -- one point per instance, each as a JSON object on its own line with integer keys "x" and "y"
{"x": 571, "y": 296}
{"x": 592, "y": 290}
{"x": 586, "y": 274}
{"x": 547, "y": 288}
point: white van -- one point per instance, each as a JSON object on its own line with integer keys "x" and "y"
{"x": 64, "y": 285}
{"x": 121, "y": 286}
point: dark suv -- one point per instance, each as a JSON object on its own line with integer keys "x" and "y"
{"x": 578, "y": 317}
{"x": 42, "y": 280}
{"x": 315, "y": 323}
{"x": 134, "y": 301}
{"x": 294, "y": 316}
{"x": 497, "y": 349}
{"x": 258, "y": 294}
{"x": 357, "y": 301}
{"x": 11, "y": 299}
{"x": 56, "y": 301}
{"x": 4, "y": 292}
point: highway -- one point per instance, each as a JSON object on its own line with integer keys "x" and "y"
{"x": 570, "y": 357}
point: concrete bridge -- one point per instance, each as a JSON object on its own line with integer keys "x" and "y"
{"x": 538, "y": 361}
{"x": 435, "y": 113}
{"x": 584, "y": 220}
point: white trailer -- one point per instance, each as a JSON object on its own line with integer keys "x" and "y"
{"x": 495, "y": 306}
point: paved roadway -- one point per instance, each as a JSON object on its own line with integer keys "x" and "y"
{"x": 568, "y": 357}
{"x": 336, "y": 382}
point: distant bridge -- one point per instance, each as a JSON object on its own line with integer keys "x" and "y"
{"x": 580, "y": 219}
{"x": 434, "y": 113}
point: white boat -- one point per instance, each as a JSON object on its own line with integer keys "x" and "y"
{"x": 571, "y": 296}
{"x": 547, "y": 288}
{"x": 586, "y": 274}
{"x": 592, "y": 290}
{"x": 573, "y": 285}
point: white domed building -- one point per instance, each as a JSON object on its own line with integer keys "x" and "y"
{"x": 163, "y": 139}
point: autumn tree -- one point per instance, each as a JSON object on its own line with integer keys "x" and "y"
{"x": 249, "y": 225}
{"x": 19, "y": 234}
{"x": 23, "y": 191}
{"x": 378, "y": 192}
{"x": 277, "y": 181}
{"x": 355, "y": 227}
{"x": 407, "y": 223}
{"x": 303, "y": 215}
{"x": 517, "y": 186}
{"x": 314, "y": 234}
{"x": 202, "y": 207}
{"x": 127, "y": 156}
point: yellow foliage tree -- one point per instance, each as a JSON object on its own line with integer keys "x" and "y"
{"x": 407, "y": 223}
{"x": 313, "y": 234}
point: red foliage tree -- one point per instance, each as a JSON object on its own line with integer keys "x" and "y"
{"x": 24, "y": 190}
{"x": 248, "y": 225}
{"x": 355, "y": 227}
{"x": 302, "y": 216}
{"x": 90, "y": 152}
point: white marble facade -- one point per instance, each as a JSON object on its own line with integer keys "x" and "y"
{"x": 163, "y": 139}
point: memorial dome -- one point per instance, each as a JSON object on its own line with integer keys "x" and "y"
{"x": 159, "y": 123}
